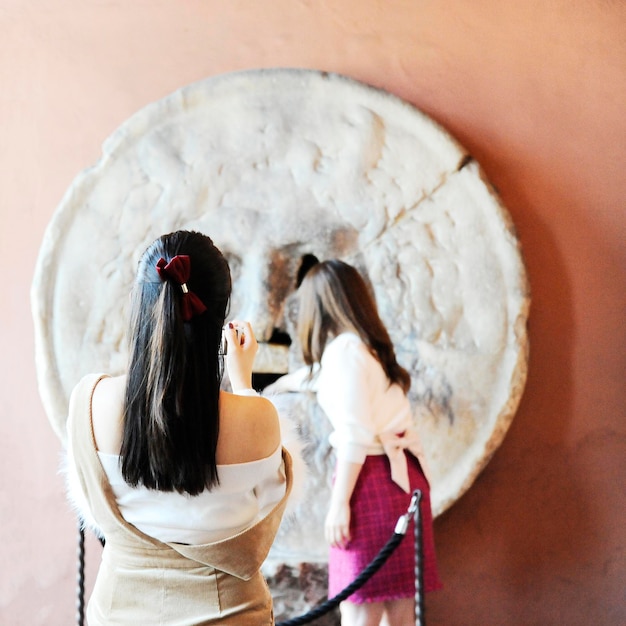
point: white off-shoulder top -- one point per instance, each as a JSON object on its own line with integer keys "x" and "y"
{"x": 245, "y": 494}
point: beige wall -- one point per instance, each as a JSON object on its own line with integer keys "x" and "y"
{"x": 536, "y": 90}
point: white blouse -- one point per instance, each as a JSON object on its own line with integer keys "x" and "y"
{"x": 354, "y": 392}
{"x": 245, "y": 494}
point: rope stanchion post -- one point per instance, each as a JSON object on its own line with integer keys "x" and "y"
{"x": 419, "y": 569}
{"x": 80, "y": 578}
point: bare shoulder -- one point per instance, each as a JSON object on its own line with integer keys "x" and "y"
{"x": 249, "y": 429}
{"x": 107, "y": 405}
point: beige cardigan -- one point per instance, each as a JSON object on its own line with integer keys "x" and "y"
{"x": 144, "y": 581}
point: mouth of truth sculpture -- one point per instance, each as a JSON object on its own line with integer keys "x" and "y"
{"x": 278, "y": 166}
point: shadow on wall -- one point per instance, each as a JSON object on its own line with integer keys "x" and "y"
{"x": 529, "y": 521}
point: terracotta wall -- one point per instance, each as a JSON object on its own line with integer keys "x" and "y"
{"x": 536, "y": 90}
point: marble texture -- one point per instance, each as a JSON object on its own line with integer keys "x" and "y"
{"x": 273, "y": 165}
{"x": 298, "y": 589}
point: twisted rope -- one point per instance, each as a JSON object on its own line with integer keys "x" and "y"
{"x": 358, "y": 582}
{"x": 374, "y": 566}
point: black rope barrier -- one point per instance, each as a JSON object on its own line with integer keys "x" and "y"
{"x": 327, "y": 606}
{"x": 358, "y": 582}
{"x": 372, "y": 568}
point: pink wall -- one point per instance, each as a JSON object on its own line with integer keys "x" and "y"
{"x": 536, "y": 90}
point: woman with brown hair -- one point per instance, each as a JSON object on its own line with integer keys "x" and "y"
{"x": 186, "y": 483}
{"x": 363, "y": 391}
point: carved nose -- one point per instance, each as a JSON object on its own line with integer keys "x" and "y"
{"x": 261, "y": 295}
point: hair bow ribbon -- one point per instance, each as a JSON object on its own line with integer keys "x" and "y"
{"x": 179, "y": 270}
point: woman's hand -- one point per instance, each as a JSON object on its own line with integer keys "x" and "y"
{"x": 241, "y": 350}
{"x": 337, "y": 525}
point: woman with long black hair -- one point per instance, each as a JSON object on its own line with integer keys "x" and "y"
{"x": 187, "y": 483}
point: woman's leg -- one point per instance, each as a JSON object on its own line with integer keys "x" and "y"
{"x": 366, "y": 614}
{"x": 399, "y": 612}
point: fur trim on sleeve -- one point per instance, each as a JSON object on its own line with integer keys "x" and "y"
{"x": 74, "y": 492}
{"x": 293, "y": 442}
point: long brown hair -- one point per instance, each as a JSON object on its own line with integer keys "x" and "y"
{"x": 333, "y": 298}
{"x": 171, "y": 408}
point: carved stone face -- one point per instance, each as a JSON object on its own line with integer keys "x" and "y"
{"x": 277, "y": 164}
{"x": 265, "y": 252}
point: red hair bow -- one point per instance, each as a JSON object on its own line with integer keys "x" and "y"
{"x": 178, "y": 270}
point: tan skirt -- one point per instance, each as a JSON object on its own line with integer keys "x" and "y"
{"x": 166, "y": 589}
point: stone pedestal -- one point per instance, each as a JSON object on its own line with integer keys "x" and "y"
{"x": 298, "y": 589}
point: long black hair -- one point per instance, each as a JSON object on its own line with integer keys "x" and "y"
{"x": 171, "y": 407}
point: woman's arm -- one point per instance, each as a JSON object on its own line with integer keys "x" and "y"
{"x": 242, "y": 349}
{"x": 249, "y": 427}
{"x": 337, "y": 525}
{"x": 107, "y": 413}
{"x": 343, "y": 394}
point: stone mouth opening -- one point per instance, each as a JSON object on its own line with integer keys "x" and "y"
{"x": 272, "y": 359}
{"x": 279, "y": 337}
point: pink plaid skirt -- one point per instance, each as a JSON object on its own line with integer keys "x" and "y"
{"x": 376, "y": 505}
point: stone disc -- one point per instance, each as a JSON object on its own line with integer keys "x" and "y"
{"x": 274, "y": 165}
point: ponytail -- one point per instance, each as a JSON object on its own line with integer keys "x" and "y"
{"x": 171, "y": 411}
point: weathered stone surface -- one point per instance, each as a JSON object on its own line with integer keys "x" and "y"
{"x": 276, "y": 164}
{"x": 298, "y": 589}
